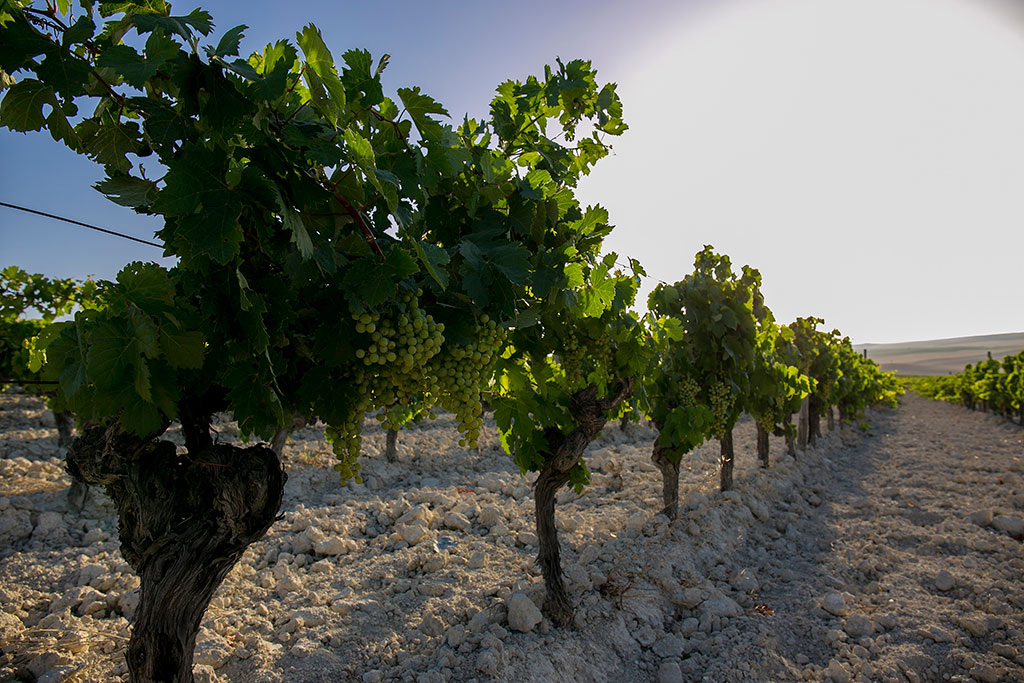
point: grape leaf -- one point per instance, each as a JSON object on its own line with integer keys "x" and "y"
{"x": 22, "y": 107}
{"x": 128, "y": 190}
{"x": 229, "y": 42}
{"x": 183, "y": 349}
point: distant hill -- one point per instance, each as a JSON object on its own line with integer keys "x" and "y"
{"x": 941, "y": 356}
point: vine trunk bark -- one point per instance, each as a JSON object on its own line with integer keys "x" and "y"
{"x": 391, "y": 446}
{"x": 813, "y": 420}
{"x": 831, "y": 419}
{"x": 78, "y": 493}
{"x": 281, "y": 437}
{"x": 669, "y": 480}
{"x": 185, "y": 520}
{"x": 762, "y": 445}
{"x": 802, "y": 426}
{"x": 726, "y": 461}
{"x": 565, "y": 450}
{"x": 787, "y": 424}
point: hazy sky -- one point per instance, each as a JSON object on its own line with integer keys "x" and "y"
{"x": 866, "y": 155}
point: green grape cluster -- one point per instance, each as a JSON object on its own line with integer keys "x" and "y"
{"x": 346, "y": 441}
{"x": 404, "y": 341}
{"x": 460, "y": 372}
{"x": 586, "y": 360}
{"x": 722, "y": 402}
{"x": 572, "y": 358}
{"x": 397, "y": 346}
{"x": 688, "y": 391}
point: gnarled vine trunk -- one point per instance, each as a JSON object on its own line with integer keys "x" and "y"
{"x": 813, "y": 420}
{"x": 669, "y": 480}
{"x": 564, "y": 451}
{"x": 78, "y": 493}
{"x": 831, "y": 419}
{"x": 281, "y": 437}
{"x": 802, "y": 428}
{"x": 787, "y": 423}
{"x": 726, "y": 461}
{"x": 391, "y": 446}
{"x": 65, "y": 426}
{"x": 184, "y": 521}
{"x": 762, "y": 445}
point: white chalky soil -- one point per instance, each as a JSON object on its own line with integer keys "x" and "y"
{"x": 892, "y": 554}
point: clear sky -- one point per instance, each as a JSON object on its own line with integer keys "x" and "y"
{"x": 866, "y": 155}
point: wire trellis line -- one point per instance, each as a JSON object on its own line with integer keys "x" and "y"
{"x": 80, "y": 223}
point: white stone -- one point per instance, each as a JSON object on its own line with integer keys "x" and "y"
{"x": 523, "y": 615}
{"x": 669, "y": 672}
{"x": 689, "y": 598}
{"x": 837, "y": 672}
{"x": 720, "y": 606}
{"x": 453, "y": 520}
{"x": 527, "y": 538}
{"x": 415, "y": 532}
{"x": 668, "y": 646}
{"x": 1013, "y": 526}
{"x": 431, "y": 625}
{"x": 330, "y": 546}
{"x": 834, "y": 603}
{"x": 745, "y": 581}
{"x": 944, "y": 581}
{"x": 936, "y": 633}
{"x": 418, "y": 512}
{"x": 456, "y": 635}
{"x": 858, "y": 625}
{"x": 982, "y": 518}
{"x": 490, "y": 515}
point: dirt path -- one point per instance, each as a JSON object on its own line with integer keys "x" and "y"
{"x": 891, "y": 554}
{"x": 888, "y": 568}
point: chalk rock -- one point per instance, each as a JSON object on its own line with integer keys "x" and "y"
{"x": 331, "y": 546}
{"x": 944, "y": 581}
{"x": 834, "y": 603}
{"x": 418, "y": 512}
{"x": 415, "y": 532}
{"x": 490, "y": 515}
{"x": 745, "y": 581}
{"x": 689, "y": 598}
{"x": 431, "y": 625}
{"x": 669, "y": 672}
{"x": 858, "y": 625}
{"x": 1014, "y": 526}
{"x": 976, "y": 626}
{"x": 720, "y": 606}
{"x": 837, "y": 673}
{"x": 936, "y": 633}
{"x": 523, "y": 615}
{"x": 668, "y": 646}
{"x": 982, "y": 518}
{"x": 453, "y": 520}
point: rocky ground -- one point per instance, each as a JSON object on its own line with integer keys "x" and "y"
{"x": 888, "y": 553}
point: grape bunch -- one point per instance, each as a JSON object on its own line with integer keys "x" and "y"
{"x": 401, "y": 343}
{"x": 722, "y": 401}
{"x": 393, "y": 354}
{"x": 460, "y": 372}
{"x": 580, "y": 360}
{"x": 688, "y": 391}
